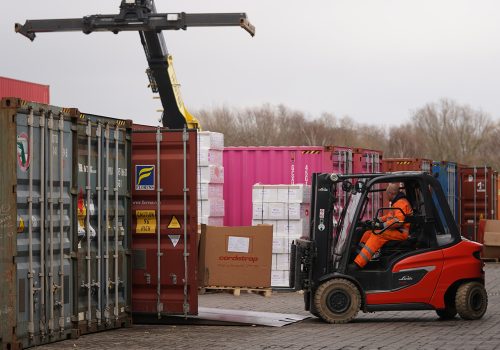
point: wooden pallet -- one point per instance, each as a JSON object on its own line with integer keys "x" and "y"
{"x": 236, "y": 291}
{"x": 491, "y": 259}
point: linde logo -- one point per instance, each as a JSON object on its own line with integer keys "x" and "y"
{"x": 251, "y": 259}
{"x": 406, "y": 278}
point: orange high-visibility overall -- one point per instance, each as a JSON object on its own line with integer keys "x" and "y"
{"x": 399, "y": 231}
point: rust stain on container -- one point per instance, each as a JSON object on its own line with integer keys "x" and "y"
{"x": 164, "y": 223}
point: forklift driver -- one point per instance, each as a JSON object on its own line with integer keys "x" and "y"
{"x": 372, "y": 240}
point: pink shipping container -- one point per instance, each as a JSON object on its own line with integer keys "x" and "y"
{"x": 24, "y": 90}
{"x": 246, "y": 166}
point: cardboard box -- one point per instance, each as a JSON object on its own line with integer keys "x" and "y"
{"x": 294, "y": 193}
{"x": 292, "y": 229}
{"x": 210, "y": 174}
{"x": 491, "y": 244}
{"x": 280, "y": 278}
{"x": 491, "y": 248}
{"x": 208, "y": 156}
{"x": 283, "y": 262}
{"x": 210, "y": 190}
{"x": 264, "y": 193}
{"x": 211, "y": 140}
{"x": 211, "y": 220}
{"x": 236, "y": 256}
{"x": 211, "y": 207}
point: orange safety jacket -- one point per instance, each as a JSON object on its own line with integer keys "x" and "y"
{"x": 395, "y": 218}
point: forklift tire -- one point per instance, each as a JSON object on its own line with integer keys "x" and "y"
{"x": 337, "y": 301}
{"x": 471, "y": 300}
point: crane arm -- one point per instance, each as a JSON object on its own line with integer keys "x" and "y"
{"x": 141, "y": 16}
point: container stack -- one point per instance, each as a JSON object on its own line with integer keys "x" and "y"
{"x": 210, "y": 178}
{"x": 286, "y": 208}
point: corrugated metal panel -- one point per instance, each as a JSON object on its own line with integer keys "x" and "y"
{"x": 43, "y": 207}
{"x": 103, "y": 281}
{"x": 24, "y": 90}
{"x": 447, "y": 175}
{"x": 406, "y": 164}
{"x": 477, "y": 198}
{"x": 246, "y": 166}
{"x": 164, "y": 245}
{"x": 45, "y": 276}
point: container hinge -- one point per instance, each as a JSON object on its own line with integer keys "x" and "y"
{"x": 14, "y": 188}
{"x": 185, "y": 254}
{"x": 73, "y": 255}
{"x": 128, "y": 252}
{"x": 73, "y": 127}
{"x": 185, "y": 136}
{"x": 74, "y": 191}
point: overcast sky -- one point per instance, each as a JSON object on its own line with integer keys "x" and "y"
{"x": 373, "y": 60}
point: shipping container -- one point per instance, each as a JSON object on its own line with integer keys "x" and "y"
{"x": 39, "y": 232}
{"x": 103, "y": 272}
{"x": 24, "y": 90}
{"x": 447, "y": 175}
{"x": 247, "y": 166}
{"x": 406, "y": 164}
{"x": 367, "y": 161}
{"x": 164, "y": 224}
{"x": 478, "y": 198}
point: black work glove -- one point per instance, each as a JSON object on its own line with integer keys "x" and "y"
{"x": 368, "y": 223}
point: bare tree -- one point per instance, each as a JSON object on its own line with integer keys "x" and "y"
{"x": 449, "y": 131}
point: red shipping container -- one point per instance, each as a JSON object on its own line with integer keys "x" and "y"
{"x": 24, "y": 90}
{"x": 367, "y": 161}
{"x": 246, "y": 166}
{"x": 478, "y": 198}
{"x": 164, "y": 245}
{"x": 406, "y": 164}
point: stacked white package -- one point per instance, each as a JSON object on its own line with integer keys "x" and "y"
{"x": 210, "y": 178}
{"x": 286, "y": 207}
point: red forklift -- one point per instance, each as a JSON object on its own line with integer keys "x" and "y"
{"x": 434, "y": 269}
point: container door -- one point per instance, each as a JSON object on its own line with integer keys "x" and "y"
{"x": 164, "y": 224}
{"x": 478, "y": 185}
{"x": 102, "y": 286}
{"x": 44, "y": 226}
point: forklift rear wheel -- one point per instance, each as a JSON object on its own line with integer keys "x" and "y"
{"x": 337, "y": 301}
{"x": 471, "y": 300}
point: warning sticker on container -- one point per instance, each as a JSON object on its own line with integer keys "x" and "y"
{"x": 174, "y": 239}
{"x": 174, "y": 223}
{"x": 146, "y": 221}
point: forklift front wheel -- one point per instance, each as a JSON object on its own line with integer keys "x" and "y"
{"x": 471, "y": 300}
{"x": 337, "y": 301}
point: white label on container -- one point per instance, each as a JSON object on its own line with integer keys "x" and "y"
{"x": 81, "y": 316}
{"x": 238, "y": 244}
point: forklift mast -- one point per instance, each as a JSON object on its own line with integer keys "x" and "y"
{"x": 141, "y": 16}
